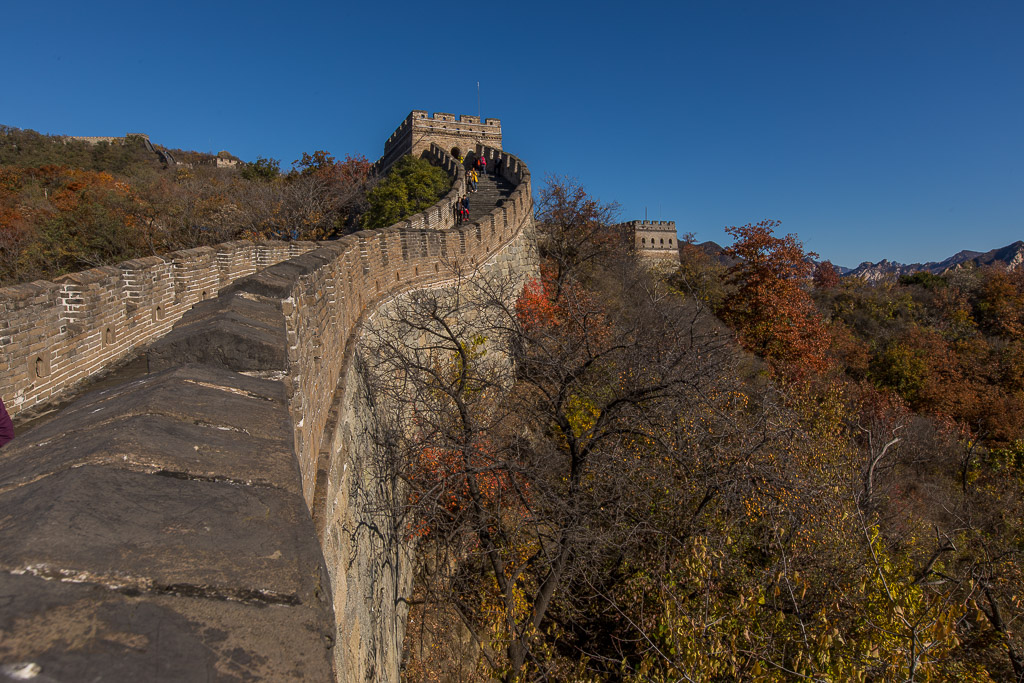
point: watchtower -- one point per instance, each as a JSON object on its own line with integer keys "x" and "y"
{"x": 457, "y": 137}
{"x": 653, "y": 239}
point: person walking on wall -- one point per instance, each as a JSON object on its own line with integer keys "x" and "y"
{"x": 465, "y": 208}
{"x": 6, "y": 425}
{"x": 474, "y": 179}
{"x": 481, "y": 163}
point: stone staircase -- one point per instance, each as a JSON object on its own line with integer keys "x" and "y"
{"x": 492, "y": 191}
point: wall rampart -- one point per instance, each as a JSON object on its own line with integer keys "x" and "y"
{"x": 419, "y": 130}
{"x": 368, "y": 576}
{"x": 255, "y": 380}
{"x": 55, "y": 334}
{"x": 96, "y": 139}
{"x": 653, "y": 239}
{"x": 312, "y": 306}
{"x": 360, "y": 271}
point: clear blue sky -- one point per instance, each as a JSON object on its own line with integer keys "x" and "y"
{"x": 871, "y": 129}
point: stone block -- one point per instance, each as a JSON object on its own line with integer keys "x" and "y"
{"x": 54, "y": 630}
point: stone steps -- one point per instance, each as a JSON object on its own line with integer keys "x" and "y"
{"x": 491, "y": 191}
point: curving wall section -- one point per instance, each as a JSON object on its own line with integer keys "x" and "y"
{"x": 235, "y": 532}
{"x": 55, "y": 334}
{"x": 316, "y": 302}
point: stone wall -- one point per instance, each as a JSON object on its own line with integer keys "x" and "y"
{"x": 653, "y": 239}
{"x": 222, "y": 500}
{"x": 55, "y": 334}
{"x": 96, "y": 139}
{"x": 370, "y": 569}
{"x": 420, "y": 130}
{"x": 297, "y": 322}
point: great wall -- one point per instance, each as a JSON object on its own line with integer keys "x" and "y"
{"x": 205, "y": 520}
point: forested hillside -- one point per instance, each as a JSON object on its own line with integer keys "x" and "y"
{"x": 747, "y": 472}
{"x": 66, "y": 205}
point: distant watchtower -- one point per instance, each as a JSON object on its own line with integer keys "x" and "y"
{"x": 653, "y": 239}
{"x": 457, "y": 137}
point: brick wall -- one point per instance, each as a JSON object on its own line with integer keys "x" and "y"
{"x": 312, "y": 306}
{"x": 55, "y": 334}
{"x": 419, "y": 130}
{"x": 653, "y": 239}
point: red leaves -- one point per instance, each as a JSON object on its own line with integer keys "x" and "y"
{"x": 545, "y": 304}
{"x": 770, "y": 309}
{"x": 825, "y": 275}
{"x": 535, "y": 308}
{"x": 448, "y": 478}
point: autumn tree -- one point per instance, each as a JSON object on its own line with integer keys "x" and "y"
{"x": 770, "y": 307}
{"x": 525, "y": 496}
{"x": 262, "y": 170}
{"x": 576, "y": 229}
{"x": 825, "y": 275}
{"x": 412, "y": 185}
{"x": 700, "y": 275}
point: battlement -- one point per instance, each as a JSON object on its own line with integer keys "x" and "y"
{"x": 653, "y": 239}
{"x": 96, "y": 139}
{"x": 455, "y": 134}
{"x": 659, "y": 226}
{"x": 250, "y": 425}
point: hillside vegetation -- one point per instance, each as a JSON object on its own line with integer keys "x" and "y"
{"x": 66, "y": 205}
{"x": 756, "y": 472}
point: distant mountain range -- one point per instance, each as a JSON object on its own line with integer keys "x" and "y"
{"x": 1011, "y": 256}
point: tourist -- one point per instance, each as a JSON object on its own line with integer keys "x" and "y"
{"x": 473, "y": 180}
{"x": 465, "y": 208}
{"x": 6, "y": 426}
{"x": 481, "y": 163}
{"x": 497, "y": 164}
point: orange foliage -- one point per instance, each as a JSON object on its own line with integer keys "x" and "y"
{"x": 535, "y": 308}
{"x": 771, "y": 309}
{"x": 564, "y": 313}
{"x": 442, "y": 476}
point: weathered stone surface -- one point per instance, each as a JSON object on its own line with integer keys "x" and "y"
{"x": 162, "y": 534}
{"x": 232, "y": 332}
{"x": 165, "y": 444}
{"x": 195, "y": 394}
{"x": 172, "y": 503}
{"x": 63, "y": 631}
{"x": 276, "y": 282}
{"x": 167, "y": 500}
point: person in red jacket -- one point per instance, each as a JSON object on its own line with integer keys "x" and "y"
{"x": 6, "y": 426}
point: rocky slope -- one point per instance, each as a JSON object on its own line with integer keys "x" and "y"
{"x": 1010, "y": 256}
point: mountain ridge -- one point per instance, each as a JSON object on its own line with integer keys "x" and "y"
{"x": 1010, "y": 256}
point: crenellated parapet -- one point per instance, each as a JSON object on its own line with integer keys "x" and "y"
{"x": 208, "y": 519}
{"x": 653, "y": 239}
{"x": 456, "y": 135}
{"x": 54, "y": 335}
